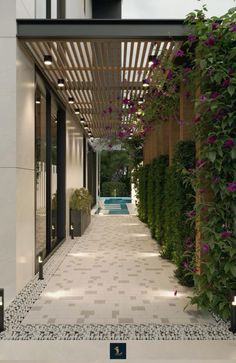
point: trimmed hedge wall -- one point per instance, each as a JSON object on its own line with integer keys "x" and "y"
{"x": 179, "y": 235}
{"x": 114, "y": 189}
{"x": 164, "y": 199}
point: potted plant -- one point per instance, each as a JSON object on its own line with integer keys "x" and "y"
{"x": 80, "y": 211}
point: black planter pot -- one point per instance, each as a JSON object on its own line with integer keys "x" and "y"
{"x": 80, "y": 221}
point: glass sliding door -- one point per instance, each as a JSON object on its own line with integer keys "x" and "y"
{"x": 49, "y": 170}
{"x": 40, "y": 172}
{"x": 54, "y": 167}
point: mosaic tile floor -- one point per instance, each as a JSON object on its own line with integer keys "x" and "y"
{"x": 114, "y": 274}
{"x": 110, "y": 283}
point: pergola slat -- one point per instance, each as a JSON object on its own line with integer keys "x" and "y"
{"x": 99, "y": 73}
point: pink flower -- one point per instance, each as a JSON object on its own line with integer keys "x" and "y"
{"x": 109, "y": 109}
{"x": 231, "y": 187}
{"x": 189, "y": 242}
{"x": 229, "y": 143}
{"x": 209, "y": 41}
{"x": 225, "y": 234}
{"x": 155, "y": 62}
{"x": 215, "y": 25}
{"x": 169, "y": 74}
{"x": 110, "y": 146}
{"x": 185, "y": 265}
{"x": 179, "y": 53}
{"x": 215, "y": 94}
{"x": 191, "y": 214}
{"x": 225, "y": 82}
{"x": 125, "y": 101}
{"x": 202, "y": 98}
{"x": 218, "y": 115}
{"x": 191, "y": 38}
{"x": 132, "y": 109}
{"x": 211, "y": 139}
{"x": 232, "y": 28}
{"x": 204, "y": 247}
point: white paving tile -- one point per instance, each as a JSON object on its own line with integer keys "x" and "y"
{"x": 116, "y": 262}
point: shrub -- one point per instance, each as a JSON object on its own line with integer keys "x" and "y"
{"x": 81, "y": 200}
{"x": 114, "y": 189}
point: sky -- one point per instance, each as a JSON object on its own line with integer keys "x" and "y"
{"x": 171, "y": 9}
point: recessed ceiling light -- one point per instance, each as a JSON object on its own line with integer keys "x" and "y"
{"x": 77, "y": 111}
{"x": 38, "y": 101}
{"x": 60, "y": 82}
{"x": 47, "y": 60}
{"x": 82, "y": 121}
{"x": 71, "y": 100}
{"x": 145, "y": 83}
{"x": 140, "y": 101}
{"x": 151, "y": 60}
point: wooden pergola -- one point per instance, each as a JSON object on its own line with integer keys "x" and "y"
{"x": 100, "y": 61}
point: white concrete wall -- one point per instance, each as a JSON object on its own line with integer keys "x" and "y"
{"x": 25, "y": 169}
{"x": 16, "y": 157}
{"x": 75, "y": 9}
{"x": 25, "y": 8}
{"x": 74, "y": 160}
{"x": 8, "y": 147}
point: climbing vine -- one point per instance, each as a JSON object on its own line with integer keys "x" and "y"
{"x": 214, "y": 177}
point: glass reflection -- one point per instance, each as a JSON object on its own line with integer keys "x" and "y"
{"x": 40, "y": 164}
{"x": 54, "y": 172}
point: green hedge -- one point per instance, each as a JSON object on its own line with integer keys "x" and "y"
{"x": 164, "y": 200}
{"x": 161, "y": 164}
{"x": 142, "y": 193}
{"x": 114, "y": 189}
{"x": 179, "y": 232}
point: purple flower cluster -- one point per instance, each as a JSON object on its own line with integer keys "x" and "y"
{"x": 225, "y": 83}
{"x": 215, "y": 94}
{"x": 191, "y": 214}
{"x": 211, "y": 139}
{"x": 192, "y": 38}
{"x": 231, "y": 186}
{"x": 232, "y": 28}
{"x": 179, "y": 53}
{"x": 226, "y": 234}
{"x": 210, "y": 41}
{"x": 218, "y": 115}
{"x": 204, "y": 247}
{"x": 229, "y": 143}
{"x": 202, "y": 98}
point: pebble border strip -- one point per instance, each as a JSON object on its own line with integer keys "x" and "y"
{"x": 24, "y": 301}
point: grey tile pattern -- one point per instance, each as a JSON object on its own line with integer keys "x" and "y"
{"x": 62, "y": 310}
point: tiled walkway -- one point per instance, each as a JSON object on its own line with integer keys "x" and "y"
{"x": 114, "y": 274}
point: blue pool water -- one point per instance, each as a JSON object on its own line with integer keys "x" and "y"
{"x": 116, "y": 205}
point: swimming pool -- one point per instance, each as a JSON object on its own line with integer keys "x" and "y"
{"x": 116, "y": 205}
